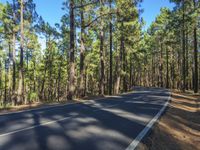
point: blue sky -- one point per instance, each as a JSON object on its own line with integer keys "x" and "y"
{"x": 51, "y": 10}
{"x": 152, "y": 9}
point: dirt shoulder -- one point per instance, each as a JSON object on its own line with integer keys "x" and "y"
{"x": 37, "y": 105}
{"x": 179, "y": 128}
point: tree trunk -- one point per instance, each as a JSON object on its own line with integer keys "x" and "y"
{"x": 59, "y": 78}
{"x": 102, "y": 75}
{"x": 161, "y": 65}
{"x": 186, "y": 60}
{"x": 82, "y": 55}
{"x": 124, "y": 69}
{"x": 13, "y": 58}
{"x": 20, "y": 98}
{"x": 14, "y": 71}
{"x": 111, "y": 55}
{"x": 119, "y": 63}
{"x": 5, "y": 87}
{"x": 183, "y": 49}
{"x": 71, "y": 84}
{"x": 167, "y": 75}
{"x": 195, "y": 58}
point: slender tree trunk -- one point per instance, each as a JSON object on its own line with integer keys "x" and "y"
{"x": 71, "y": 84}
{"x": 102, "y": 75}
{"x": 124, "y": 69}
{"x": 34, "y": 82}
{"x": 196, "y": 80}
{"x": 167, "y": 75}
{"x": 59, "y": 78}
{"x": 131, "y": 72}
{"x": 43, "y": 82}
{"x": 13, "y": 58}
{"x": 82, "y": 55}
{"x": 161, "y": 65}
{"x": 186, "y": 60}
{"x": 153, "y": 69}
{"x": 111, "y": 55}
{"x": 5, "y": 87}
{"x": 14, "y": 71}
{"x": 9, "y": 72}
{"x": 183, "y": 48}
{"x": 119, "y": 62}
{"x": 21, "y": 67}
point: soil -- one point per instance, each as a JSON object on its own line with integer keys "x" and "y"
{"x": 178, "y": 128}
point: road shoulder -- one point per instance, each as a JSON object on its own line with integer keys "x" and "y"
{"x": 179, "y": 128}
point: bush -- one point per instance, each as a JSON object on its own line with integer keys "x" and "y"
{"x": 32, "y": 97}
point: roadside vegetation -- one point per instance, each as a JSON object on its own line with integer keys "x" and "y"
{"x": 98, "y": 48}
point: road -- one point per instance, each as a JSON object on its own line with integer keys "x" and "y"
{"x": 107, "y": 124}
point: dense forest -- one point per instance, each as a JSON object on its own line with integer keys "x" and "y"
{"x": 99, "y": 47}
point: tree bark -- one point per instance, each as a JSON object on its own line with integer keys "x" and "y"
{"x": 196, "y": 80}
{"x": 111, "y": 55}
{"x": 119, "y": 63}
{"x": 71, "y": 84}
{"x": 102, "y": 75}
{"x": 161, "y": 65}
{"x": 82, "y": 55}
{"x": 183, "y": 48}
{"x": 20, "y": 98}
{"x": 14, "y": 58}
{"x": 167, "y": 74}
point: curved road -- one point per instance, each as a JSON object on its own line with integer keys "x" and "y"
{"x": 115, "y": 123}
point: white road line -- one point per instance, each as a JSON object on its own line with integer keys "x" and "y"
{"x": 140, "y": 136}
{"x": 132, "y": 146}
{"x": 47, "y": 123}
{"x": 32, "y": 127}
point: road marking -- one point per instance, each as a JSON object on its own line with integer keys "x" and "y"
{"x": 47, "y": 123}
{"x": 140, "y": 136}
{"x": 32, "y": 127}
{"x": 132, "y": 146}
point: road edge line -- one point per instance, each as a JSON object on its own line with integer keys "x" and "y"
{"x": 141, "y": 135}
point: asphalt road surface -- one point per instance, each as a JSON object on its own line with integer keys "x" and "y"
{"x": 108, "y": 124}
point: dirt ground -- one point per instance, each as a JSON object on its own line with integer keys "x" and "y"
{"x": 178, "y": 128}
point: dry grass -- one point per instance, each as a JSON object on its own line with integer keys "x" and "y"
{"x": 179, "y": 128}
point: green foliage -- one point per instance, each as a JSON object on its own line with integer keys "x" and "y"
{"x": 33, "y": 97}
{"x": 147, "y": 58}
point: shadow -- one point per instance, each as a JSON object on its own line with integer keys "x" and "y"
{"x": 95, "y": 125}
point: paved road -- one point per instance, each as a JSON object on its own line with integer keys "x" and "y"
{"x": 108, "y": 124}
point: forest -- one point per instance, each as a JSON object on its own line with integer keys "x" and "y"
{"x": 99, "y": 47}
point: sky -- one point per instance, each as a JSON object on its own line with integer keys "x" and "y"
{"x": 152, "y": 9}
{"x": 51, "y": 10}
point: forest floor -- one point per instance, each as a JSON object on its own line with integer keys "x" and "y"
{"x": 9, "y": 109}
{"x": 179, "y": 127}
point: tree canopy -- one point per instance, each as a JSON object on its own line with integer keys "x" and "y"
{"x": 99, "y": 47}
